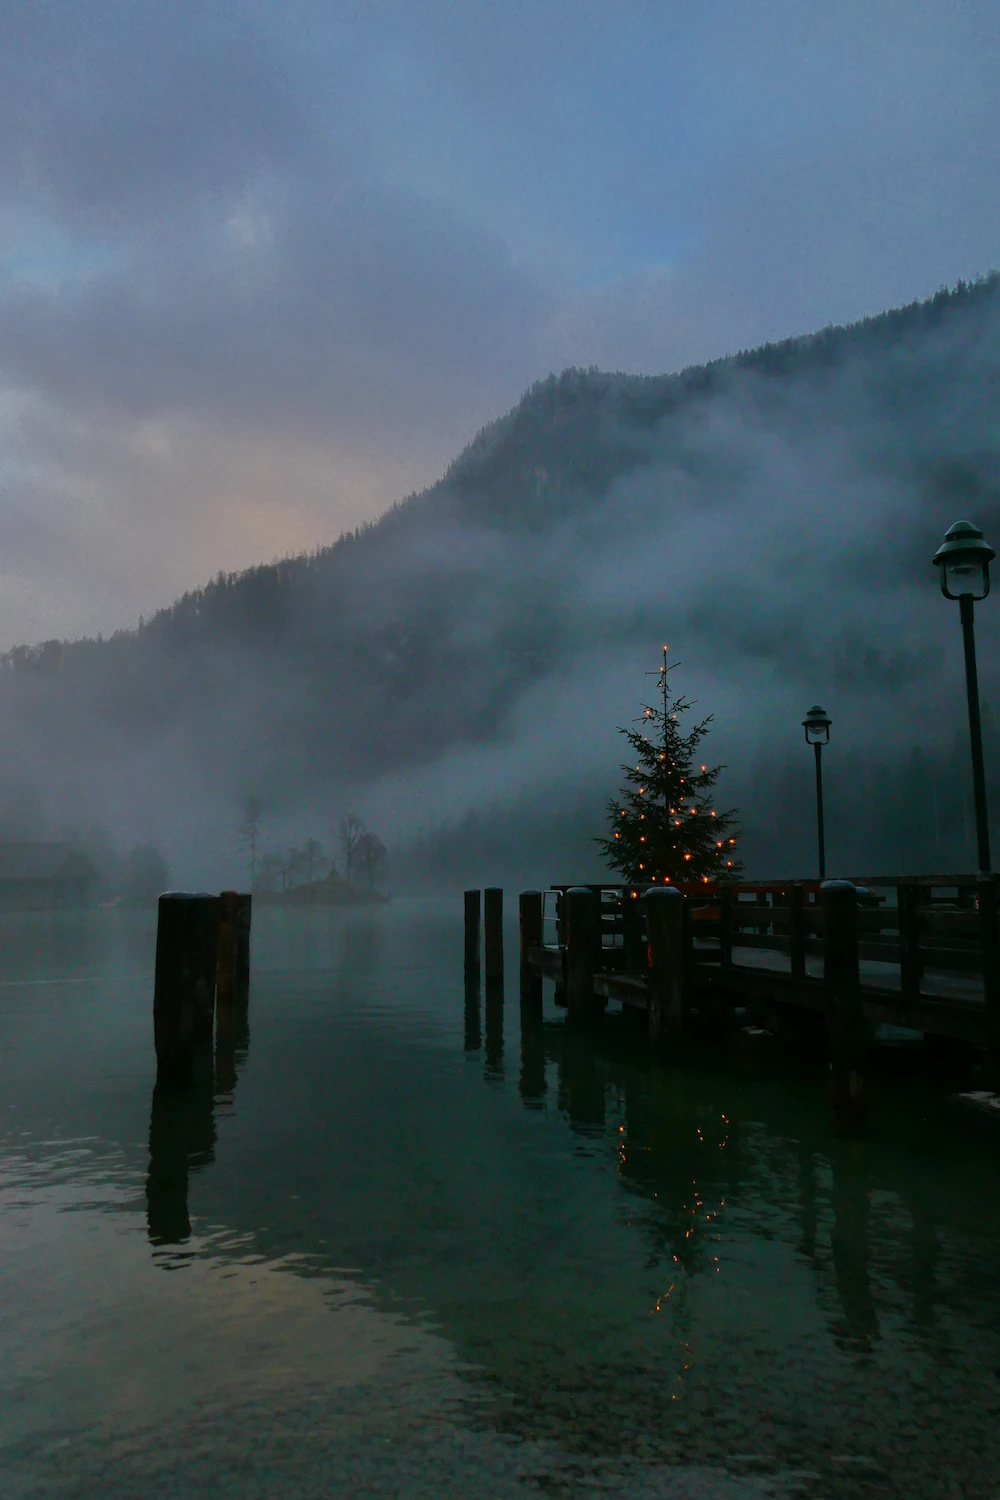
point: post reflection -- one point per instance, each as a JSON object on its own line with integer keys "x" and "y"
{"x": 581, "y": 1081}
{"x": 182, "y": 1131}
{"x": 531, "y": 1084}
{"x": 925, "y": 1251}
{"x": 232, "y": 1041}
{"x": 494, "y": 1027}
{"x": 181, "y": 1140}
{"x": 473, "y": 1033}
{"x": 808, "y": 1209}
{"x": 858, "y": 1328}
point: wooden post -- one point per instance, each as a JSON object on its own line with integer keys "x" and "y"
{"x": 580, "y": 921}
{"x": 226, "y": 960}
{"x": 726, "y": 926}
{"x": 493, "y": 933}
{"x": 665, "y": 930}
{"x": 845, "y": 1017}
{"x": 187, "y": 944}
{"x": 471, "y": 933}
{"x": 908, "y": 916}
{"x": 988, "y": 917}
{"x": 634, "y": 952}
{"x": 797, "y": 931}
{"x": 529, "y": 907}
{"x": 244, "y": 912}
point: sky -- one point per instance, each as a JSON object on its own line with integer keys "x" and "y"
{"x": 265, "y": 268}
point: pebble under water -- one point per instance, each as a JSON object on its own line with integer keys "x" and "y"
{"x": 386, "y": 1246}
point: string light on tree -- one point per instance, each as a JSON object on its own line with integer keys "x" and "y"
{"x": 663, "y": 812}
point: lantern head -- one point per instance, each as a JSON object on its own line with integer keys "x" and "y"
{"x": 817, "y": 726}
{"x": 964, "y": 559}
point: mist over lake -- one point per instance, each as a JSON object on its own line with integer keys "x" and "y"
{"x": 455, "y": 672}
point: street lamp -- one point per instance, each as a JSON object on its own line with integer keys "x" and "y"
{"x": 964, "y": 559}
{"x": 817, "y": 727}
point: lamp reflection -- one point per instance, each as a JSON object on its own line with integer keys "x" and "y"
{"x": 859, "y": 1328}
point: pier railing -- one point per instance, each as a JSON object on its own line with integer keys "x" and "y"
{"x": 926, "y": 949}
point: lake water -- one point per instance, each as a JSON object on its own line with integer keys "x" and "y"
{"x": 383, "y": 1248}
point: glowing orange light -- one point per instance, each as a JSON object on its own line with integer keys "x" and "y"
{"x": 687, "y": 856}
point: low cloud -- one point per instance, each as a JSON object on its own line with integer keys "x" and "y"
{"x": 264, "y": 271}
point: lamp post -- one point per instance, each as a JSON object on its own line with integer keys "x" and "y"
{"x": 817, "y": 727}
{"x": 964, "y": 559}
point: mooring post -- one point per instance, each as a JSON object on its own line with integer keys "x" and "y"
{"x": 529, "y": 908}
{"x": 493, "y": 933}
{"x": 797, "y": 930}
{"x": 244, "y": 912}
{"x": 726, "y": 927}
{"x": 845, "y": 1017}
{"x": 227, "y": 960}
{"x": 635, "y": 955}
{"x": 988, "y": 918}
{"x": 226, "y": 992}
{"x": 187, "y": 944}
{"x": 665, "y": 931}
{"x": 908, "y": 918}
{"x": 580, "y": 923}
{"x": 471, "y": 933}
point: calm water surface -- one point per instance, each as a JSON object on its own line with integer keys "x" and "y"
{"x": 384, "y": 1246}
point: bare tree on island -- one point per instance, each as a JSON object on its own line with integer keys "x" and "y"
{"x": 350, "y": 831}
{"x": 365, "y": 855}
{"x": 663, "y": 826}
{"x": 371, "y": 859}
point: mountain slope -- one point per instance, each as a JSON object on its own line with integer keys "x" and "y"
{"x": 772, "y": 515}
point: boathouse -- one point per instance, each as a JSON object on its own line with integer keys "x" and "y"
{"x": 42, "y": 877}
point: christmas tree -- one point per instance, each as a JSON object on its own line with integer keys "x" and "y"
{"x": 663, "y": 826}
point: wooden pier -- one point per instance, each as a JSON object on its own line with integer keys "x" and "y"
{"x": 838, "y": 959}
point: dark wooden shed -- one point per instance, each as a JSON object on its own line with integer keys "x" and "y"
{"x": 44, "y": 877}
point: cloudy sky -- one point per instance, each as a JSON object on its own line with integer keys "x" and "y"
{"x": 265, "y": 268}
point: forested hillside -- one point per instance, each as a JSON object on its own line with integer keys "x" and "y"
{"x": 456, "y": 670}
